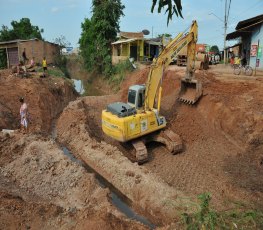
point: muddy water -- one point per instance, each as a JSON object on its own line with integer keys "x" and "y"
{"x": 120, "y": 201}
{"x": 85, "y": 88}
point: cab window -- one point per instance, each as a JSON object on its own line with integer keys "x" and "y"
{"x": 132, "y": 96}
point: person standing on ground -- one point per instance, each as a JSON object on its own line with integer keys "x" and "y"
{"x": 25, "y": 59}
{"x": 44, "y": 65}
{"x": 24, "y": 115}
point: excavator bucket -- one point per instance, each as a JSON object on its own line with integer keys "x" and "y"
{"x": 191, "y": 91}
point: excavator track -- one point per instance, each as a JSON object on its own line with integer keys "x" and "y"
{"x": 171, "y": 140}
{"x": 141, "y": 153}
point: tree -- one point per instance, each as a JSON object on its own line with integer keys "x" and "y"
{"x": 98, "y": 33}
{"x": 60, "y": 60}
{"x": 164, "y": 35}
{"x": 214, "y": 49}
{"x": 21, "y": 30}
{"x": 172, "y": 7}
{"x": 62, "y": 41}
{"x": 87, "y": 44}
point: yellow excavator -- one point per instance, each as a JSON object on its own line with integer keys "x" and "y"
{"x": 139, "y": 120}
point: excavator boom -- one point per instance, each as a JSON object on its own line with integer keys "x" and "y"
{"x": 191, "y": 89}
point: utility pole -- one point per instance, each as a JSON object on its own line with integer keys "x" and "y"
{"x": 225, "y": 27}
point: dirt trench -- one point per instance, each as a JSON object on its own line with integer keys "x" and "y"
{"x": 222, "y": 137}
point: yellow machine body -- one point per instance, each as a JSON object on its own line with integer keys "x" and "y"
{"x": 131, "y": 127}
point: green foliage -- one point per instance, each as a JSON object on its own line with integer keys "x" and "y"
{"x": 206, "y": 218}
{"x": 214, "y": 49}
{"x": 98, "y": 33}
{"x": 55, "y": 72}
{"x": 164, "y": 35}
{"x": 20, "y": 30}
{"x": 119, "y": 73}
{"x": 87, "y": 44}
{"x": 61, "y": 41}
{"x": 172, "y": 7}
{"x": 61, "y": 61}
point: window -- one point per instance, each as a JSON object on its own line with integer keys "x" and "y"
{"x": 132, "y": 96}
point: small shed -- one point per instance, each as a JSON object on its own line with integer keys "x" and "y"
{"x": 34, "y": 48}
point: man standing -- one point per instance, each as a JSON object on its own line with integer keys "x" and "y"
{"x": 25, "y": 59}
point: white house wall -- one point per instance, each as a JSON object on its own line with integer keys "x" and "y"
{"x": 257, "y": 35}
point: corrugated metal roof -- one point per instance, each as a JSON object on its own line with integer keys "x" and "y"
{"x": 245, "y": 27}
{"x": 249, "y": 22}
{"x": 236, "y": 34}
{"x": 124, "y": 41}
{"x": 17, "y": 40}
{"x": 25, "y": 40}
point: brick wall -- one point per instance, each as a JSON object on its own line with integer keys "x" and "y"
{"x": 38, "y": 49}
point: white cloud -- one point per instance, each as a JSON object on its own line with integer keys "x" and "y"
{"x": 72, "y": 5}
{"x": 54, "y": 9}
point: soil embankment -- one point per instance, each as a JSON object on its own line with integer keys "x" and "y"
{"x": 41, "y": 188}
{"x": 46, "y": 98}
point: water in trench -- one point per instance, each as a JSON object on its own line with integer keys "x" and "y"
{"x": 121, "y": 202}
{"x": 85, "y": 87}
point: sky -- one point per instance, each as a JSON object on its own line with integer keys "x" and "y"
{"x": 64, "y": 17}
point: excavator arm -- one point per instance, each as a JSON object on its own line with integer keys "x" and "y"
{"x": 170, "y": 52}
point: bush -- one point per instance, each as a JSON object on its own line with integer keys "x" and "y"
{"x": 119, "y": 72}
{"x": 61, "y": 63}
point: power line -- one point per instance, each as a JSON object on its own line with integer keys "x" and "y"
{"x": 228, "y": 11}
{"x": 253, "y": 6}
{"x": 235, "y": 20}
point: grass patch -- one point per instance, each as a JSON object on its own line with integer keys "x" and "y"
{"x": 120, "y": 72}
{"x": 207, "y": 218}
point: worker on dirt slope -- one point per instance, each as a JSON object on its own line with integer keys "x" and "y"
{"x": 44, "y": 65}
{"x": 24, "y": 116}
